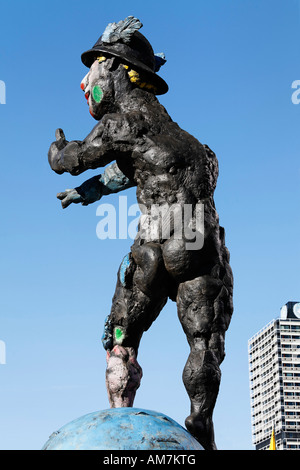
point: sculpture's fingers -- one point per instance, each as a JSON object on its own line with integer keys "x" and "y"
{"x": 61, "y": 195}
{"x": 71, "y": 197}
{"x": 64, "y": 194}
{"x": 66, "y": 202}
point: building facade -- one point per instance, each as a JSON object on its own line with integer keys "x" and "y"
{"x": 274, "y": 371}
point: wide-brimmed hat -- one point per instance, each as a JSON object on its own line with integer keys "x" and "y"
{"x": 123, "y": 40}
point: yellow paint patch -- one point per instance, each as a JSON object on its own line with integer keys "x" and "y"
{"x": 135, "y": 78}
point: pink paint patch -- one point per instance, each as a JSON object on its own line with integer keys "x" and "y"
{"x": 123, "y": 376}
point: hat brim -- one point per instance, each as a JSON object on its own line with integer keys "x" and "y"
{"x": 161, "y": 86}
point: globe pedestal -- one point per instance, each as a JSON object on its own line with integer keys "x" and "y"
{"x": 122, "y": 429}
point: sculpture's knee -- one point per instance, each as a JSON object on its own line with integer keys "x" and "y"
{"x": 113, "y": 334}
{"x": 195, "y": 301}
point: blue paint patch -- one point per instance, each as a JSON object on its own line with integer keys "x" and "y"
{"x": 122, "y": 429}
{"x": 107, "y": 339}
{"x": 114, "y": 180}
{"x": 124, "y": 265}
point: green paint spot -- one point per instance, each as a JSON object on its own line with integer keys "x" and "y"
{"x": 118, "y": 334}
{"x": 97, "y": 93}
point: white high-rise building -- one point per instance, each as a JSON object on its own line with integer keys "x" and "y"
{"x": 274, "y": 367}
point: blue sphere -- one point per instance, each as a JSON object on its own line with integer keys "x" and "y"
{"x": 122, "y": 429}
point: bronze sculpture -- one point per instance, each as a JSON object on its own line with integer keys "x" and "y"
{"x": 168, "y": 166}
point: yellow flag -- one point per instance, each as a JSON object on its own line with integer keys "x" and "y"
{"x": 272, "y": 441}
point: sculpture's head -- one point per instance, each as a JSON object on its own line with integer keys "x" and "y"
{"x": 98, "y": 87}
{"x": 121, "y": 51}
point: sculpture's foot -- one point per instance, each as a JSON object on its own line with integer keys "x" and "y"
{"x": 123, "y": 376}
{"x": 202, "y": 430}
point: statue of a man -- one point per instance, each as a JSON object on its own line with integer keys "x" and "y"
{"x": 168, "y": 166}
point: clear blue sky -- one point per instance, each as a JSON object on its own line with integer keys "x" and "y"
{"x": 230, "y": 66}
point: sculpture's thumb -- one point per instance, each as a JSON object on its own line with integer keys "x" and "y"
{"x": 59, "y": 134}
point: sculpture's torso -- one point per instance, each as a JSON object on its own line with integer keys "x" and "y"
{"x": 167, "y": 164}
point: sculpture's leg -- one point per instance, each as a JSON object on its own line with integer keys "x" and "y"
{"x": 123, "y": 376}
{"x": 141, "y": 293}
{"x": 204, "y": 309}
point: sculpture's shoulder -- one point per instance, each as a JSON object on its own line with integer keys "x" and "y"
{"x": 122, "y": 126}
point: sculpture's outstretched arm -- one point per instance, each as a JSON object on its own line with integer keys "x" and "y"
{"x": 112, "y": 137}
{"x": 111, "y": 181}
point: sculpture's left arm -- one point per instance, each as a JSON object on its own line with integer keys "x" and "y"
{"x": 111, "y": 181}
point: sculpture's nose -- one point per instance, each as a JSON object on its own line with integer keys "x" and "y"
{"x": 84, "y": 82}
{"x": 85, "y": 88}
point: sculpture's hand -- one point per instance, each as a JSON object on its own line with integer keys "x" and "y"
{"x": 54, "y": 151}
{"x": 89, "y": 192}
{"x": 68, "y": 197}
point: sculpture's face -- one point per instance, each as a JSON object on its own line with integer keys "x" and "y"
{"x": 98, "y": 88}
